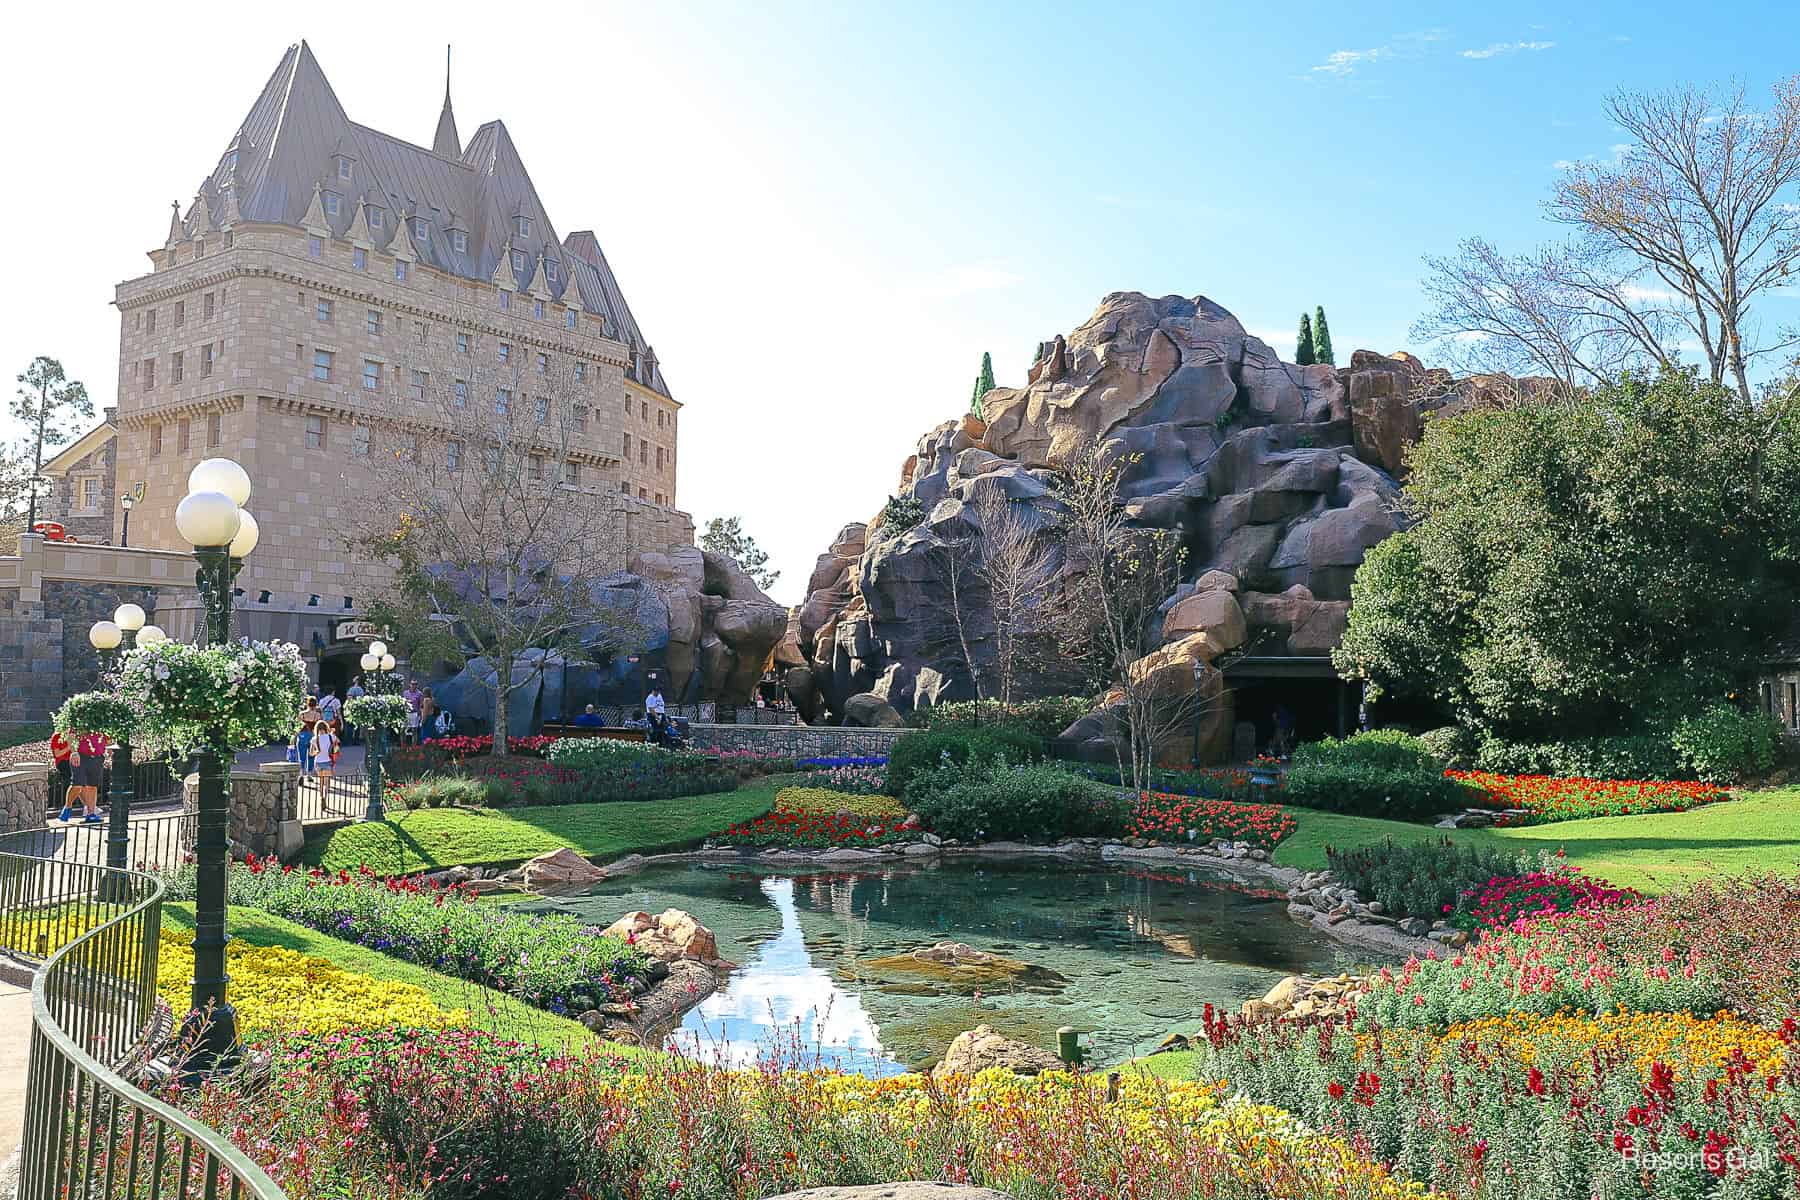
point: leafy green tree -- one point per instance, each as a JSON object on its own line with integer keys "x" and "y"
{"x": 1303, "y": 345}
{"x": 1322, "y": 339}
{"x": 984, "y": 383}
{"x": 47, "y": 398}
{"x": 1586, "y": 567}
{"x": 725, "y": 535}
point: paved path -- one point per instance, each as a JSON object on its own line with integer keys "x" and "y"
{"x": 15, "y": 1049}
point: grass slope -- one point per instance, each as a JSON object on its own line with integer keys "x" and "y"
{"x": 430, "y": 838}
{"x": 488, "y": 1009}
{"x": 1654, "y": 853}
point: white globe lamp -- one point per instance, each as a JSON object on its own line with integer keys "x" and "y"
{"x": 104, "y": 635}
{"x": 247, "y": 535}
{"x": 128, "y": 617}
{"x": 378, "y": 648}
{"x": 221, "y": 475}
{"x": 387, "y": 662}
{"x": 370, "y": 662}
{"x": 207, "y": 519}
{"x": 149, "y": 635}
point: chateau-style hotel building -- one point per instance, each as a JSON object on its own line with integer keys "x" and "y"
{"x": 328, "y": 279}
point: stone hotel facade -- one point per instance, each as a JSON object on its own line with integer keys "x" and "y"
{"x": 328, "y": 279}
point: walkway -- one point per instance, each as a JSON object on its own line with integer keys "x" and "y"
{"x": 15, "y": 1051}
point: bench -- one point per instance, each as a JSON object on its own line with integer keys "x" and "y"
{"x": 595, "y": 731}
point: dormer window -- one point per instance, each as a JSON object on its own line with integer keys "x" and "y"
{"x": 459, "y": 241}
{"x": 518, "y": 260}
{"x": 332, "y": 204}
{"x": 522, "y": 226}
{"x": 344, "y": 169}
{"x": 549, "y": 270}
{"x": 569, "y": 318}
{"x": 421, "y": 229}
{"x": 537, "y": 309}
{"x": 230, "y": 161}
{"x": 374, "y": 218}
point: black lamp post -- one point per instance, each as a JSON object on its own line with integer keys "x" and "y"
{"x": 378, "y": 667}
{"x": 212, "y": 520}
{"x": 126, "y": 502}
{"x": 119, "y": 637}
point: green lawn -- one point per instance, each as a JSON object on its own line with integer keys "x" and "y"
{"x": 429, "y": 838}
{"x": 1653, "y": 853}
{"x": 488, "y": 1009}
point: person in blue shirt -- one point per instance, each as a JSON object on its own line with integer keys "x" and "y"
{"x": 589, "y": 719}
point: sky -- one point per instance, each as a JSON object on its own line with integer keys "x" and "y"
{"x": 822, "y": 214}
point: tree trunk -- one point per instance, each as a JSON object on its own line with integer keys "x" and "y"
{"x": 503, "y": 690}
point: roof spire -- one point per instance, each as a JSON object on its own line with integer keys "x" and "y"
{"x": 446, "y": 142}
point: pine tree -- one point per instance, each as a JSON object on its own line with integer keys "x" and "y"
{"x": 1322, "y": 339}
{"x": 984, "y": 383}
{"x": 1303, "y": 348}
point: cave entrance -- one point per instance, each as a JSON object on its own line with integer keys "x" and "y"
{"x": 1321, "y": 704}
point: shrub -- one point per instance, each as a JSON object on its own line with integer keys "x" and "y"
{"x": 1033, "y": 802}
{"x": 1371, "y": 791}
{"x": 603, "y": 752}
{"x": 453, "y": 791}
{"x": 1626, "y": 756}
{"x": 1044, "y": 718}
{"x": 1452, "y": 746}
{"x": 928, "y": 750}
{"x": 1420, "y": 879}
{"x": 899, "y": 514}
{"x": 1217, "y": 783}
{"x": 1389, "y": 748}
{"x": 823, "y": 800}
{"x": 1555, "y": 887}
{"x": 1726, "y": 743}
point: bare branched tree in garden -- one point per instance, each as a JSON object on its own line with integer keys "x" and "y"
{"x": 1018, "y": 564}
{"x": 488, "y": 499}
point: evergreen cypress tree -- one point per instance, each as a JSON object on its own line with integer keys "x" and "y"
{"x": 1322, "y": 339}
{"x": 984, "y": 383}
{"x": 1303, "y": 348}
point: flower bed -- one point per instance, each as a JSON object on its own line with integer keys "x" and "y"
{"x": 456, "y": 1115}
{"x": 1505, "y": 899}
{"x": 866, "y": 760}
{"x": 818, "y": 830}
{"x": 1158, "y": 815}
{"x": 1561, "y": 798}
{"x": 546, "y": 960}
{"x": 825, "y": 800}
{"x": 1213, "y": 783}
{"x": 864, "y": 780}
{"x": 273, "y": 988}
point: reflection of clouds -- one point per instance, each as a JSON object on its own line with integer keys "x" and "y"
{"x": 779, "y": 991}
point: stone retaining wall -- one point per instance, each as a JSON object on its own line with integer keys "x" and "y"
{"x": 22, "y": 792}
{"x": 265, "y": 811}
{"x": 801, "y": 741}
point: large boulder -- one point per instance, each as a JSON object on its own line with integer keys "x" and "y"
{"x": 669, "y": 936}
{"x": 870, "y": 711}
{"x": 560, "y": 871}
{"x": 983, "y": 1047}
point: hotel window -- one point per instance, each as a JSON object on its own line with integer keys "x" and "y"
{"x": 537, "y": 309}
{"x": 343, "y": 167}
{"x": 409, "y": 448}
{"x": 502, "y": 401}
{"x": 207, "y": 353}
{"x": 543, "y": 409}
{"x": 214, "y": 429}
{"x": 421, "y": 229}
{"x": 200, "y": 248}
{"x": 421, "y": 332}
{"x": 175, "y": 371}
{"x": 156, "y": 441}
{"x": 314, "y": 247}
{"x": 578, "y": 418}
{"x": 180, "y": 313}
{"x": 207, "y": 306}
{"x": 644, "y": 410}
{"x": 149, "y": 373}
{"x": 522, "y": 226}
{"x": 322, "y": 365}
{"x": 331, "y": 204}
{"x": 535, "y": 465}
{"x": 324, "y": 309}
{"x": 659, "y": 458}
{"x": 505, "y": 352}
{"x": 543, "y": 364}
{"x": 659, "y": 497}
{"x": 628, "y": 445}
{"x": 417, "y": 387}
{"x": 505, "y": 301}
{"x": 462, "y": 343}
{"x": 625, "y": 487}
{"x": 182, "y": 433}
{"x": 150, "y": 321}
{"x": 628, "y": 406}
{"x": 371, "y": 375}
{"x": 400, "y": 270}
{"x": 490, "y": 460}
{"x": 359, "y": 259}
{"x": 518, "y": 257}
{"x": 572, "y": 474}
{"x": 660, "y": 414}
{"x": 375, "y": 218}
{"x": 459, "y": 241}
{"x": 643, "y": 494}
{"x": 643, "y": 452}
{"x": 460, "y": 393}
{"x": 569, "y": 318}
{"x": 374, "y": 322}
{"x": 315, "y": 433}
{"x": 90, "y": 492}
{"x": 452, "y": 455}
{"x": 550, "y": 270}
{"x": 359, "y": 441}
{"x": 580, "y": 372}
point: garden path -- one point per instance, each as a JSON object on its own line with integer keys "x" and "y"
{"x": 15, "y": 1049}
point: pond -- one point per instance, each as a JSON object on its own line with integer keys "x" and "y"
{"x": 825, "y": 956}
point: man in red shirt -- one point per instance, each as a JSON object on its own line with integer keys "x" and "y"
{"x": 61, "y": 747}
{"x": 87, "y": 760}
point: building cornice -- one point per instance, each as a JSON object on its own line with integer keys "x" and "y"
{"x": 356, "y": 414}
{"x": 139, "y": 418}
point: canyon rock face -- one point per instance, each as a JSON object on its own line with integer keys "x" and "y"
{"x": 1276, "y": 478}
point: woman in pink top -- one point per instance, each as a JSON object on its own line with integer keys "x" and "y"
{"x": 86, "y": 764}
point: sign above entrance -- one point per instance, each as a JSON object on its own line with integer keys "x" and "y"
{"x": 355, "y": 631}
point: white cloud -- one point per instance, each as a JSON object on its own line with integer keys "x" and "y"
{"x": 962, "y": 280}
{"x": 1636, "y": 294}
{"x": 1562, "y": 164}
{"x": 1343, "y": 62}
{"x": 1498, "y": 48}
{"x": 1280, "y": 340}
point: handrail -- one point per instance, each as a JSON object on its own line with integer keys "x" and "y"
{"x": 89, "y": 1132}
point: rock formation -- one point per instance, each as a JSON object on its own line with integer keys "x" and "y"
{"x": 982, "y": 1047}
{"x": 1278, "y": 479}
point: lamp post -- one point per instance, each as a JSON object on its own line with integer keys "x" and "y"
{"x": 126, "y": 502}
{"x": 212, "y": 520}
{"x": 378, "y": 666}
{"x": 127, "y": 626}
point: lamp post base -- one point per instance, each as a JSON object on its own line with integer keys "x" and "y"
{"x": 209, "y": 1044}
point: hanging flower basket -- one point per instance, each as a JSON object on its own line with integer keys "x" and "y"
{"x": 377, "y": 712}
{"x": 222, "y": 698}
{"x": 97, "y": 712}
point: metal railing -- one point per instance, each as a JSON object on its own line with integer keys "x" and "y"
{"x": 157, "y": 842}
{"x": 340, "y": 798}
{"x": 89, "y": 1130}
{"x": 153, "y": 784}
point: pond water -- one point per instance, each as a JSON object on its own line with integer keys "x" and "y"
{"x": 1131, "y": 954}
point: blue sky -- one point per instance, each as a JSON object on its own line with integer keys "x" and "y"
{"x": 822, "y": 214}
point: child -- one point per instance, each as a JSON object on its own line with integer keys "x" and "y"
{"x": 325, "y": 752}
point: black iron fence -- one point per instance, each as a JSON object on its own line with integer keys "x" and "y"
{"x": 339, "y": 798}
{"x": 155, "y": 842}
{"x": 90, "y": 1130}
{"x": 154, "y": 784}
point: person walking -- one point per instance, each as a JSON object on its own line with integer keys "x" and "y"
{"x": 62, "y": 748}
{"x": 88, "y": 762}
{"x": 414, "y": 698}
{"x": 310, "y": 716}
{"x": 325, "y": 752}
{"x": 352, "y": 734}
{"x": 658, "y": 714}
{"x": 428, "y": 711}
